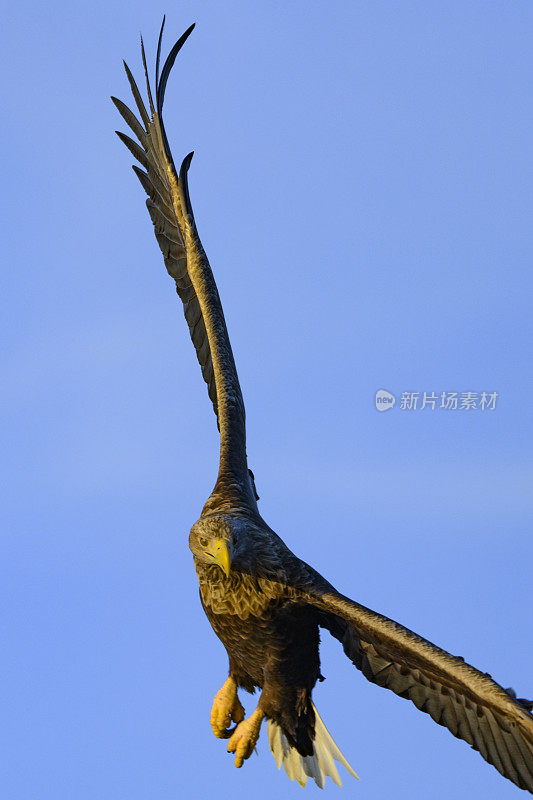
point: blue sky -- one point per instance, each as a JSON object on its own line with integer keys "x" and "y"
{"x": 363, "y": 187}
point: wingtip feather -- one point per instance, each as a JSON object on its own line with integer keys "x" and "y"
{"x": 186, "y": 163}
{"x": 167, "y": 66}
{"x": 158, "y": 56}
{"x": 148, "y": 89}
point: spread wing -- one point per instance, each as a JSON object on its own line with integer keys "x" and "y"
{"x": 468, "y": 702}
{"x": 170, "y": 209}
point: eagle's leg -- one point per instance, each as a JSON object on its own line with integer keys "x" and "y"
{"x": 245, "y": 738}
{"x": 226, "y": 707}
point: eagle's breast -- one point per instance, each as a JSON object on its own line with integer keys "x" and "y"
{"x": 240, "y": 594}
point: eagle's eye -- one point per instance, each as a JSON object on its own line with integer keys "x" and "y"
{"x": 203, "y": 541}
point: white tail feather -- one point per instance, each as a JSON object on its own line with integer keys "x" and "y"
{"x": 318, "y": 766}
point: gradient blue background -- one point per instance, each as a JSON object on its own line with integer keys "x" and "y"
{"x": 363, "y": 187}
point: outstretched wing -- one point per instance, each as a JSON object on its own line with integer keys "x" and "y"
{"x": 468, "y": 702}
{"x": 170, "y": 209}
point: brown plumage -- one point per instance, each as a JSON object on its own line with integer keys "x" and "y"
{"x": 264, "y": 603}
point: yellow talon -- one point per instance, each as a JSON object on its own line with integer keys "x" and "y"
{"x": 226, "y": 707}
{"x": 245, "y": 737}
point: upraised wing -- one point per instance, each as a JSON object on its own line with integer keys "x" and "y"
{"x": 468, "y": 702}
{"x": 170, "y": 209}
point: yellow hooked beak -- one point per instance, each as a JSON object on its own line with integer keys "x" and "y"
{"x": 221, "y": 553}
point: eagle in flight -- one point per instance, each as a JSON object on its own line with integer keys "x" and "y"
{"x": 265, "y": 604}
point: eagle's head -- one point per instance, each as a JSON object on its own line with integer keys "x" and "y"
{"x": 214, "y": 540}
